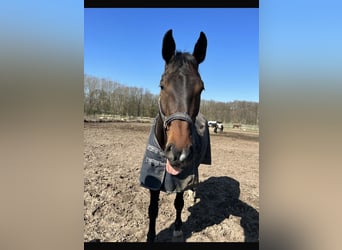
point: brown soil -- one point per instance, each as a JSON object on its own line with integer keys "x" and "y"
{"x": 116, "y": 206}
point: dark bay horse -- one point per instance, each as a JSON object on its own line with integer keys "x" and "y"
{"x": 179, "y": 139}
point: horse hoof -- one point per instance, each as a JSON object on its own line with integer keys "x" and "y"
{"x": 177, "y": 236}
{"x": 192, "y": 196}
{"x": 150, "y": 240}
{"x": 177, "y": 233}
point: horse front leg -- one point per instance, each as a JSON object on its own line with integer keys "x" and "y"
{"x": 179, "y": 204}
{"x": 153, "y": 213}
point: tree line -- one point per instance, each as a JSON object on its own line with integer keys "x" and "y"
{"x": 104, "y": 96}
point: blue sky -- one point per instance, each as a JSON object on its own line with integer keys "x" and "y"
{"x": 124, "y": 45}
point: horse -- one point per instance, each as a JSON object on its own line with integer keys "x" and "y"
{"x": 237, "y": 126}
{"x": 179, "y": 138}
{"x": 216, "y": 125}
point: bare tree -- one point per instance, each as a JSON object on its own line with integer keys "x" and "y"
{"x": 104, "y": 96}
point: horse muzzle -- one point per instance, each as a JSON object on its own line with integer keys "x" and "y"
{"x": 178, "y": 159}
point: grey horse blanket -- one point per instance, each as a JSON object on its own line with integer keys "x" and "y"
{"x": 153, "y": 174}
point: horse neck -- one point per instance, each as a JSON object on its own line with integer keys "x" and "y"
{"x": 160, "y": 132}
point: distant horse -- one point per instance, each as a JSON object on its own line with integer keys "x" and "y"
{"x": 179, "y": 138}
{"x": 216, "y": 125}
{"x": 236, "y": 125}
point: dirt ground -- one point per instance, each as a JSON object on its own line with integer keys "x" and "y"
{"x": 116, "y": 206}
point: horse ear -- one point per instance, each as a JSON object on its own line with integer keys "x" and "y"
{"x": 169, "y": 46}
{"x": 200, "y": 48}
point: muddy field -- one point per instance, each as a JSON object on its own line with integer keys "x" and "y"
{"x": 115, "y": 205}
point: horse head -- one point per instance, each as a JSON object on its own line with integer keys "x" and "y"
{"x": 179, "y": 101}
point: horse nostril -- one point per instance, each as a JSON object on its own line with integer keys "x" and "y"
{"x": 169, "y": 148}
{"x": 170, "y": 152}
{"x": 174, "y": 155}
